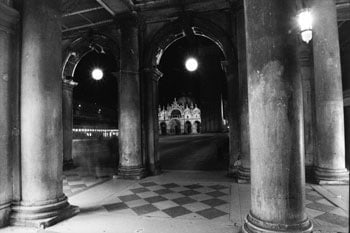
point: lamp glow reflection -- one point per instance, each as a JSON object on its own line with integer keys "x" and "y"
{"x": 191, "y": 64}
{"x": 305, "y": 21}
{"x": 97, "y": 74}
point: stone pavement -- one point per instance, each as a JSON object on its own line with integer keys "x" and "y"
{"x": 78, "y": 180}
{"x": 185, "y": 201}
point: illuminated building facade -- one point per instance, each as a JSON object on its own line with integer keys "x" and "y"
{"x": 178, "y": 118}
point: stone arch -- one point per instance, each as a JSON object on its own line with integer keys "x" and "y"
{"x": 188, "y": 127}
{"x": 176, "y": 113}
{"x": 175, "y": 126}
{"x": 171, "y": 32}
{"x": 163, "y": 128}
{"x": 82, "y": 46}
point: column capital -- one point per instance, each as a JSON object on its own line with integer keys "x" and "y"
{"x": 128, "y": 20}
{"x": 226, "y": 66}
{"x": 305, "y": 55}
{"x": 68, "y": 83}
{"x": 8, "y": 18}
{"x": 153, "y": 73}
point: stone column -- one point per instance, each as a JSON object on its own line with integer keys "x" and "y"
{"x": 67, "y": 113}
{"x": 8, "y": 19}
{"x": 330, "y": 161}
{"x": 275, "y": 119}
{"x": 234, "y": 133}
{"x": 244, "y": 167}
{"x": 306, "y": 72}
{"x": 42, "y": 200}
{"x": 152, "y": 75}
{"x": 130, "y": 149}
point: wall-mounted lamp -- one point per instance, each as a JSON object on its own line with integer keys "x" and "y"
{"x": 305, "y": 24}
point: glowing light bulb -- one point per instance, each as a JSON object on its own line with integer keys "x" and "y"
{"x": 97, "y": 74}
{"x": 305, "y": 21}
{"x": 191, "y": 64}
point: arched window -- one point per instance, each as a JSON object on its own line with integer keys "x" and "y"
{"x": 175, "y": 114}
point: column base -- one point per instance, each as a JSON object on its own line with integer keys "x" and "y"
{"x": 42, "y": 216}
{"x": 5, "y": 210}
{"x": 254, "y": 225}
{"x": 155, "y": 169}
{"x": 243, "y": 175}
{"x": 232, "y": 171}
{"x": 131, "y": 173}
{"x": 331, "y": 176}
{"x": 68, "y": 164}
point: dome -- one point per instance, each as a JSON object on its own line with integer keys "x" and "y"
{"x": 186, "y": 100}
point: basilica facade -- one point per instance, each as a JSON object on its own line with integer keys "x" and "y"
{"x": 179, "y": 118}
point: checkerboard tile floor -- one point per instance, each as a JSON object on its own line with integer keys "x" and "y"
{"x": 76, "y": 181}
{"x": 173, "y": 200}
{"x": 324, "y": 213}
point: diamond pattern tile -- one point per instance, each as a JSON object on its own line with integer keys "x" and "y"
{"x": 211, "y": 213}
{"x": 194, "y": 186}
{"x": 195, "y": 201}
{"x": 183, "y": 200}
{"x": 155, "y": 199}
{"x": 214, "y": 202}
{"x": 176, "y": 211}
{"x": 131, "y": 197}
{"x": 145, "y": 209}
{"x": 216, "y": 194}
{"x": 189, "y": 192}
{"x": 139, "y": 190}
{"x": 163, "y": 191}
{"x": 170, "y": 185}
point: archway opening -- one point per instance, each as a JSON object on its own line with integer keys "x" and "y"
{"x": 194, "y": 103}
{"x": 95, "y": 113}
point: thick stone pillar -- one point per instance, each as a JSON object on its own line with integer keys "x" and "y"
{"x": 152, "y": 75}
{"x": 130, "y": 149}
{"x": 275, "y": 119}
{"x": 306, "y": 72}
{"x": 8, "y": 20}
{"x": 243, "y": 175}
{"x": 330, "y": 161}
{"x": 67, "y": 114}
{"x": 42, "y": 200}
{"x": 233, "y": 120}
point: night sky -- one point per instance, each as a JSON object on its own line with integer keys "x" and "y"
{"x": 208, "y": 82}
{"x": 102, "y": 92}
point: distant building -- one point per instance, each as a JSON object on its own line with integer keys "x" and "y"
{"x": 181, "y": 117}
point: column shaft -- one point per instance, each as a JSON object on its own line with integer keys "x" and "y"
{"x": 67, "y": 114}
{"x": 306, "y": 72}
{"x": 130, "y": 150}
{"x": 330, "y": 161}
{"x": 8, "y": 79}
{"x": 42, "y": 199}
{"x": 152, "y": 77}
{"x": 233, "y": 120}
{"x": 244, "y": 168}
{"x": 275, "y": 119}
